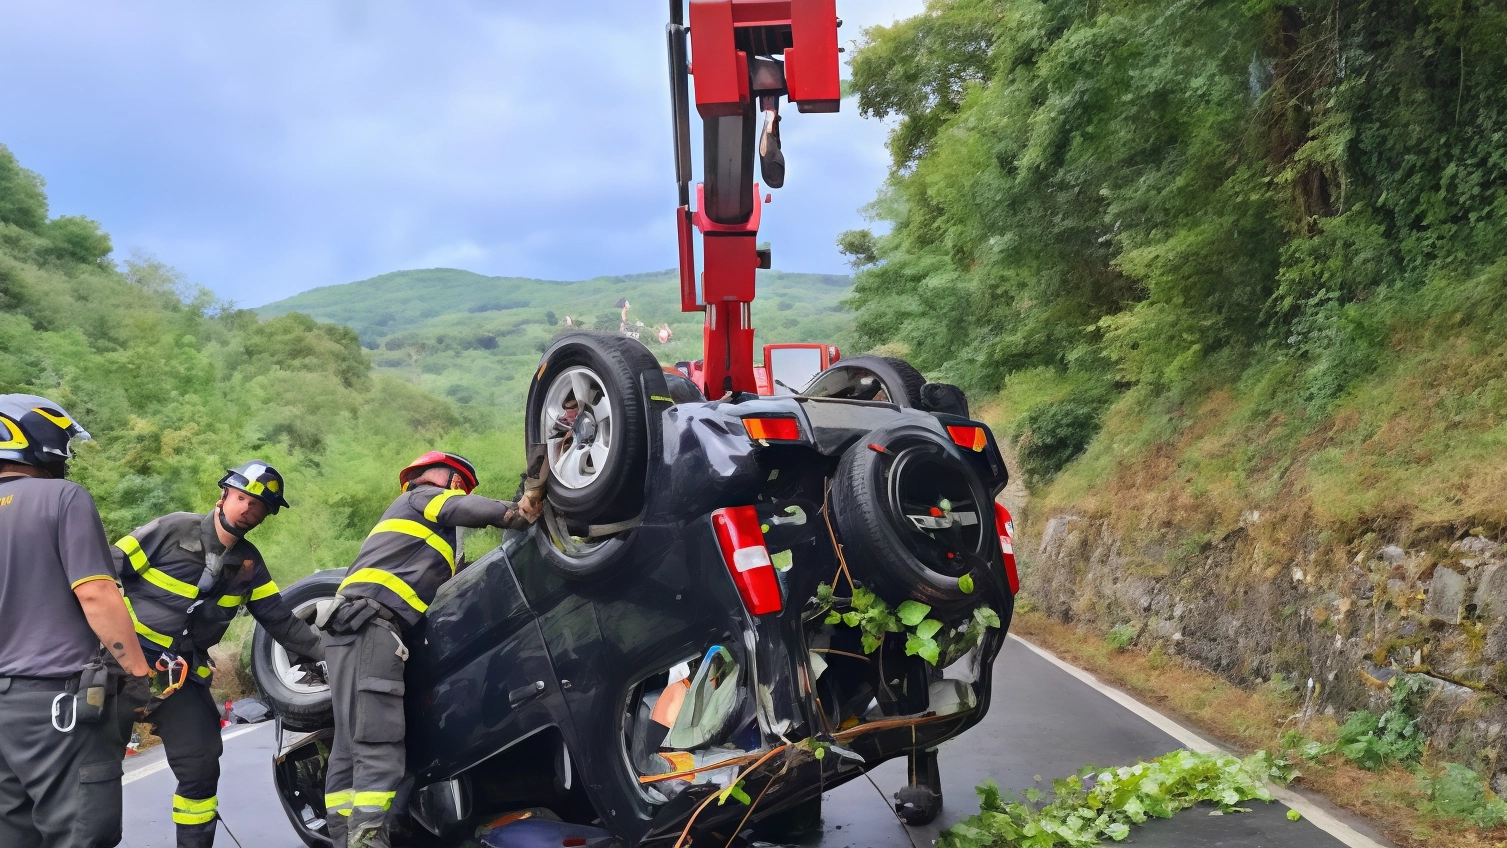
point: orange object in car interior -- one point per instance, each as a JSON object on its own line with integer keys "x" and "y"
{"x": 667, "y": 705}
{"x": 973, "y": 438}
{"x": 773, "y": 429}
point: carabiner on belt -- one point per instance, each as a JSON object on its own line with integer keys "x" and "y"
{"x": 176, "y": 669}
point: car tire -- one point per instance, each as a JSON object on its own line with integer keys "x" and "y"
{"x": 302, "y": 708}
{"x": 887, "y": 488}
{"x": 598, "y": 463}
{"x": 900, "y": 381}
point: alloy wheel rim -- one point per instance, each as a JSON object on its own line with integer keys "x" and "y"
{"x": 578, "y": 447}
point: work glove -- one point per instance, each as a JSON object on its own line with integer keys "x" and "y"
{"x": 136, "y": 692}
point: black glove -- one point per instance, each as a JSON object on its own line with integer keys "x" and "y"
{"x": 136, "y": 692}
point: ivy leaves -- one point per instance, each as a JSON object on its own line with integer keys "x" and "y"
{"x": 928, "y": 638}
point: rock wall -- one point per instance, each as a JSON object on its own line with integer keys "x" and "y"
{"x": 1254, "y": 603}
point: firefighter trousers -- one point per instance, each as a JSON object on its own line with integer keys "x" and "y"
{"x": 367, "y": 756}
{"x": 188, "y": 723}
{"x": 57, "y": 790}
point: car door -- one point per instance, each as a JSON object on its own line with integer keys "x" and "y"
{"x": 479, "y": 678}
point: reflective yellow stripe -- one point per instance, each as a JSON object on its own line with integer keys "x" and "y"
{"x": 432, "y": 511}
{"x": 382, "y": 800}
{"x": 78, "y": 583}
{"x": 266, "y": 590}
{"x": 204, "y": 671}
{"x": 188, "y": 811}
{"x": 132, "y": 549}
{"x": 344, "y": 811}
{"x": 189, "y": 805}
{"x": 387, "y": 581}
{"x": 417, "y": 530}
{"x": 147, "y": 632}
{"x": 336, "y": 800}
{"x": 171, "y": 584}
{"x": 231, "y": 601}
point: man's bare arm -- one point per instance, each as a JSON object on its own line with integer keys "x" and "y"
{"x": 111, "y": 622}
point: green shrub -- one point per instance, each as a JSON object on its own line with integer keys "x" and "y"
{"x": 1122, "y": 635}
{"x": 1372, "y": 742}
{"x": 1054, "y": 434}
{"x": 1459, "y": 793}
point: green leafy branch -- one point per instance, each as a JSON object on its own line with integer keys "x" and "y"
{"x": 1098, "y": 804}
{"x": 924, "y": 637}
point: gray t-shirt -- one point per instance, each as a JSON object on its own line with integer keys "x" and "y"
{"x": 51, "y": 541}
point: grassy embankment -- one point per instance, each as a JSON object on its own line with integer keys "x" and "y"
{"x": 1415, "y": 452}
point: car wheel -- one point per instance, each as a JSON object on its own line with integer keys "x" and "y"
{"x": 913, "y": 516}
{"x": 575, "y": 556}
{"x": 586, "y": 406}
{"x": 303, "y": 706}
{"x": 871, "y": 378}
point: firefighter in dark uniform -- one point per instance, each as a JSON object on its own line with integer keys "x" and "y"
{"x": 185, "y": 577}
{"x": 404, "y": 561}
{"x": 60, "y": 611}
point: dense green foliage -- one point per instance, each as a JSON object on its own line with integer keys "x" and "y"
{"x": 1099, "y": 804}
{"x": 477, "y": 339}
{"x": 1160, "y": 192}
{"x": 175, "y": 387}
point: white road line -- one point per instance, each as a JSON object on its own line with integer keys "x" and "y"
{"x": 1191, "y": 740}
{"x": 148, "y": 771}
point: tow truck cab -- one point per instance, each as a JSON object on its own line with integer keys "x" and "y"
{"x": 786, "y": 368}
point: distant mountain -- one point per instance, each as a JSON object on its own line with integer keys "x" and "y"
{"x": 476, "y": 338}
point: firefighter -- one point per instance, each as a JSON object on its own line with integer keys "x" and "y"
{"x": 186, "y": 576}
{"x": 60, "y": 752}
{"x": 401, "y": 565}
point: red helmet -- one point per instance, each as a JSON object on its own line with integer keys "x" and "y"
{"x": 453, "y": 461}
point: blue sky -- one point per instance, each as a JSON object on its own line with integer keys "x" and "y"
{"x": 268, "y": 148}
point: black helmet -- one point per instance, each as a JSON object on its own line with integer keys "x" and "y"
{"x": 259, "y": 480}
{"x": 36, "y": 431}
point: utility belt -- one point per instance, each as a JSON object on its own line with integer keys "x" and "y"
{"x": 344, "y": 616}
{"x": 80, "y": 698}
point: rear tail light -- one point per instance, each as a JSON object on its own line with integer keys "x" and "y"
{"x": 773, "y": 429}
{"x": 747, "y": 559}
{"x": 1007, "y": 544}
{"x": 972, "y": 438}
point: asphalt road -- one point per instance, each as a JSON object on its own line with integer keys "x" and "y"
{"x": 1045, "y": 721}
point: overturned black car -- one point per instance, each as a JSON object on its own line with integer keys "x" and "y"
{"x": 746, "y": 600}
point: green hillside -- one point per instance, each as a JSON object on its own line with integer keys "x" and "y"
{"x": 476, "y": 339}
{"x": 176, "y": 386}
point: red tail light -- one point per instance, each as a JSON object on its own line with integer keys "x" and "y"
{"x": 1007, "y": 544}
{"x": 773, "y": 429}
{"x": 972, "y": 438}
{"x": 747, "y": 559}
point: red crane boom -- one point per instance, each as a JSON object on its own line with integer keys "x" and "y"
{"x": 747, "y": 55}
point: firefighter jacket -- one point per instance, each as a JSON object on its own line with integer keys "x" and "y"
{"x": 411, "y": 551}
{"x": 183, "y": 587}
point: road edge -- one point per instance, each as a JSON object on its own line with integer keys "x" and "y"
{"x": 1318, "y": 816}
{"x": 132, "y": 775}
